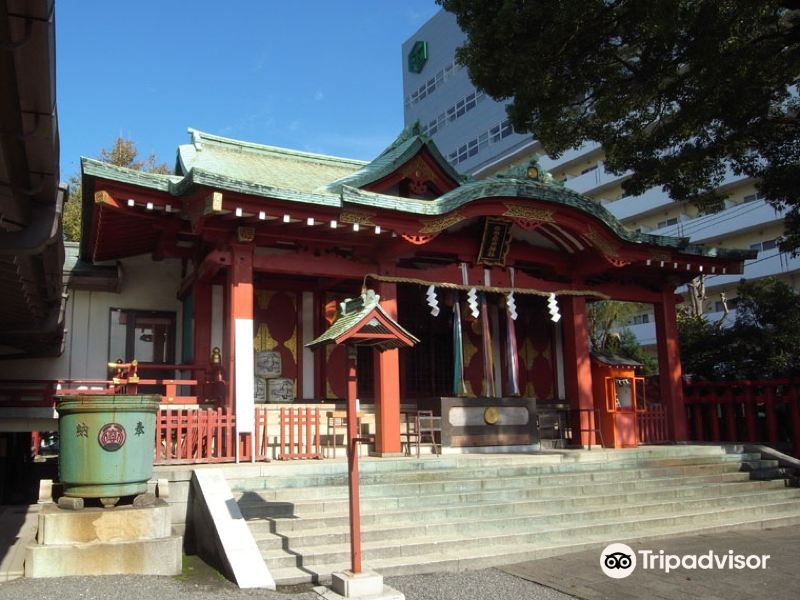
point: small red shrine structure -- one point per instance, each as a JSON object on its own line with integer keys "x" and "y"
{"x": 270, "y": 240}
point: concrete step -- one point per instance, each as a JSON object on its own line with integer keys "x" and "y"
{"x": 256, "y": 507}
{"x": 540, "y": 506}
{"x": 243, "y": 472}
{"x": 607, "y": 470}
{"x": 433, "y": 542}
{"x": 461, "y": 524}
{"x": 275, "y": 502}
{"x": 463, "y": 511}
{"x": 429, "y": 487}
{"x": 457, "y": 559}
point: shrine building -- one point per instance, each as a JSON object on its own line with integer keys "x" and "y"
{"x": 251, "y": 249}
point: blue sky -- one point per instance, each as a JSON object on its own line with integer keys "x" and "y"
{"x": 315, "y": 75}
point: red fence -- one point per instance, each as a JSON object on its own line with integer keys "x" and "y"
{"x": 745, "y": 411}
{"x": 207, "y": 435}
{"x": 299, "y": 433}
{"x": 653, "y": 425}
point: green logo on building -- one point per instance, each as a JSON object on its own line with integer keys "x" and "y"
{"x": 418, "y": 57}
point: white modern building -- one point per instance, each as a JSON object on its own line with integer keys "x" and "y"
{"x": 473, "y": 132}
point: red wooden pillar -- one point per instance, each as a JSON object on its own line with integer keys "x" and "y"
{"x": 794, "y": 415}
{"x": 577, "y": 365}
{"x": 387, "y": 384}
{"x": 769, "y": 413}
{"x": 352, "y": 462}
{"x": 751, "y": 425}
{"x": 239, "y": 294}
{"x": 729, "y": 414}
{"x": 201, "y": 337}
{"x": 669, "y": 365}
{"x": 714, "y": 401}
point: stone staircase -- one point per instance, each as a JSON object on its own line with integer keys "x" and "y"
{"x": 467, "y": 511}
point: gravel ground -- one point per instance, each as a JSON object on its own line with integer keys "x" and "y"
{"x": 201, "y": 583}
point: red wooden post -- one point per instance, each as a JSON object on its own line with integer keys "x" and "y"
{"x": 750, "y": 413}
{"x": 769, "y": 410}
{"x": 352, "y": 462}
{"x": 577, "y": 365}
{"x": 387, "y": 384}
{"x": 283, "y": 435}
{"x": 713, "y": 399}
{"x": 697, "y": 409}
{"x": 794, "y": 414}
{"x": 316, "y": 433}
{"x": 729, "y": 414}
{"x": 669, "y": 364}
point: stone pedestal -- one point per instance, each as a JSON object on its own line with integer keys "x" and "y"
{"x": 367, "y": 585}
{"x": 98, "y": 541}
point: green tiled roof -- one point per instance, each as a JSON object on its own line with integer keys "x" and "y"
{"x": 407, "y": 144}
{"x": 307, "y": 178}
{"x": 356, "y": 310}
{"x": 262, "y": 165}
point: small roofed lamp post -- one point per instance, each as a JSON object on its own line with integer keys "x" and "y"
{"x": 361, "y": 322}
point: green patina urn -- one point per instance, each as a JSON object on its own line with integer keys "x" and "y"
{"x": 107, "y": 445}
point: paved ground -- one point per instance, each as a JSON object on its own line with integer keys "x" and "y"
{"x": 578, "y": 575}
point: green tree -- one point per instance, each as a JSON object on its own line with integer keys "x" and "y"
{"x": 676, "y": 91}
{"x": 123, "y": 153}
{"x": 605, "y": 317}
{"x": 762, "y": 343}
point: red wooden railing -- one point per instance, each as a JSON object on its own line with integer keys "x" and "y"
{"x": 207, "y": 435}
{"x": 744, "y": 411}
{"x": 299, "y": 433}
{"x": 653, "y": 425}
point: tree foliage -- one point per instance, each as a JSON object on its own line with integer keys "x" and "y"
{"x": 676, "y": 91}
{"x": 606, "y": 320}
{"x": 762, "y": 343}
{"x": 122, "y": 153}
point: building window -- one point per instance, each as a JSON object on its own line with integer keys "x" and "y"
{"x": 589, "y": 169}
{"x": 765, "y": 245}
{"x": 641, "y": 319}
{"x": 753, "y": 197}
{"x": 667, "y": 223}
{"x": 145, "y": 335}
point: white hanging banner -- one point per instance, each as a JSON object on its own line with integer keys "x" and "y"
{"x": 244, "y": 374}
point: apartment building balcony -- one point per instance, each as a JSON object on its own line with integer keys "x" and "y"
{"x": 736, "y": 218}
{"x": 592, "y": 180}
{"x": 769, "y": 263}
{"x": 551, "y": 164}
{"x": 631, "y": 206}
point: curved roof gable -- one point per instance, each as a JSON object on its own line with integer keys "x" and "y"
{"x": 402, "y": 151}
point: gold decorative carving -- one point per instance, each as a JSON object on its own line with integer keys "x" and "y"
{"x": 263, "y": 341}
{"x": 491, "y": 415}
{"x": 417, "y": 169}
{"x": 245, "y": 234}
{"x": 418, "y": 240}
{"x": 601, "y": 243}
{"x": 527, "y": 354}
{"x": 263, "y": 298}
{"x": 291, "y": 345}
{"x": 353, "y": 215}
{"x": 529, "y": 213}
{"x": 440, "y": 223}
